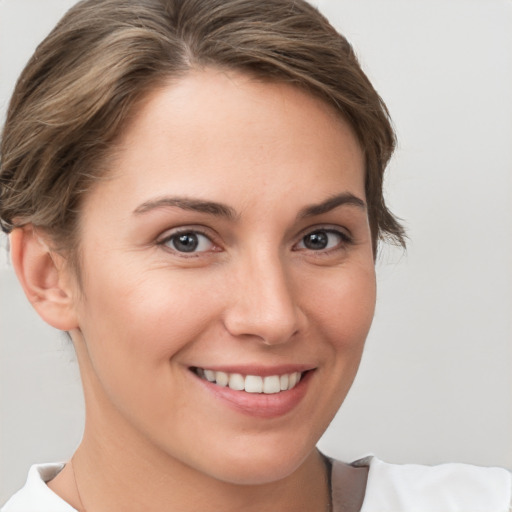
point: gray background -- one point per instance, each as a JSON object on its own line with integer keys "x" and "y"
{"x": 435, "y": 383}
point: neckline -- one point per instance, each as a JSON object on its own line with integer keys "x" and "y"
{"x": 40, "y": 474}
{"x": 348, "y": 484}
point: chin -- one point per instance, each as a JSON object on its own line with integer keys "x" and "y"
{"x": 258, "y": 464}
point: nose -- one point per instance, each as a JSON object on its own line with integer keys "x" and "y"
{"x": 263, "y": 303}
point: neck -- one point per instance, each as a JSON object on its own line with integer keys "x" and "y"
{"x": 109, "y": 479}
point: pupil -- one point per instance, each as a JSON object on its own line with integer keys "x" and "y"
{"x": 186, "y": 242}
{"x": 316, "y": 240}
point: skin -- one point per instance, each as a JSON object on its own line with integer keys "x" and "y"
{"x": 254, "y": 294}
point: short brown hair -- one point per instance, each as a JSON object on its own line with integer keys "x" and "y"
{"x": 75, "y": 94}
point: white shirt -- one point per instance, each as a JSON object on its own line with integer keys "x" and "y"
{"x": 390, "y": 488}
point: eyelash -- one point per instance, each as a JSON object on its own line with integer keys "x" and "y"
{"x": 167, "y": 240}
{"x": 344, "y": 241}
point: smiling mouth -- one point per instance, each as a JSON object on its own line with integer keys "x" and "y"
{"x": 270, "y": 384}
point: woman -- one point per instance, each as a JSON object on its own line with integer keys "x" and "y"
{"x": 193, "y": 191}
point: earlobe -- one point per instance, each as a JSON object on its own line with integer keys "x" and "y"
{"x": 44, "y": 278}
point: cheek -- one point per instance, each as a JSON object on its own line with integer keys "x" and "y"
{"x": 135, "y": 323}
{"x": 344, "y": 306}
{"x": 144, "y": 308}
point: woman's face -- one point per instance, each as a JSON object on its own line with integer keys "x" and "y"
{"x": 230, "y": 243}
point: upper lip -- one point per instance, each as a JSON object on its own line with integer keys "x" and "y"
{"x": 255, "y": 369}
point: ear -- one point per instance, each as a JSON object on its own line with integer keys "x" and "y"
{"x": 44, "y": 277}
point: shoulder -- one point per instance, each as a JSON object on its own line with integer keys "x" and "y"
{"x": 35, "y": 495}
{"x": 446, "y": 487}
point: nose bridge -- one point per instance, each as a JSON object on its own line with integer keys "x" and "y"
{"x": 264, "y": 304}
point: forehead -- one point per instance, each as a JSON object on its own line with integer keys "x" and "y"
{"x": 215, "y": 132}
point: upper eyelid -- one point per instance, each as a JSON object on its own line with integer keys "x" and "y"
{"x": 169, "y": 233}
{"x": 325, "y": 227}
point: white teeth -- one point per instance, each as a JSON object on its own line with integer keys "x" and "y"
{"x": 221, "y": 379}
{"x": 251, "y": 383}
{"x": 271, "y": 384}
{"x": 210, "y": 375}
{"x": 236, "y": 382}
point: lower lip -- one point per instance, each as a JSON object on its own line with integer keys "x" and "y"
{"x": 260, "y": 405}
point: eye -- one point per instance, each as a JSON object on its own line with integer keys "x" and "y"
{"x": 323, "y": 240}
{"x": 188, "y": 242}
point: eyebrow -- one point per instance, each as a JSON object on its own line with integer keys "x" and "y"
{"x": 222, "y": 210}
{"x": 346, "y": 198}
{"x": 185, "y": 203}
